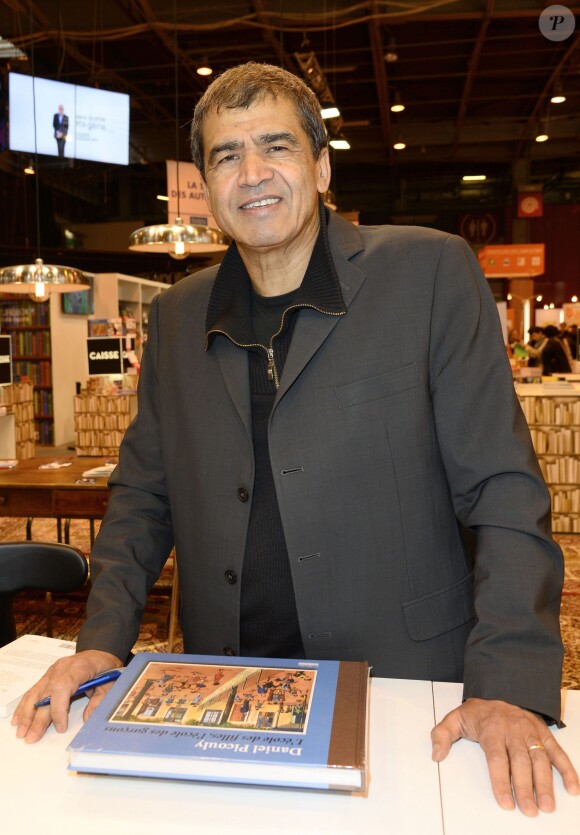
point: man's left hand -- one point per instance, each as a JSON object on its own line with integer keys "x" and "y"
{"x": 519, "y": 748}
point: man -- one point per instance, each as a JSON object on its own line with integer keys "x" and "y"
{"x": 319, "y": 417}
{"x": 60, "y": 126}
{"x": 535, "y": 346}
{"x": 554, "y": 357}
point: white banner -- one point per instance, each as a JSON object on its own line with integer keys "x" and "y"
{"x": 193, "y": 206}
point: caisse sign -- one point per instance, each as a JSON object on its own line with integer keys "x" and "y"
{"x": 5, "y": 360}
{"x": 105, "y": 355}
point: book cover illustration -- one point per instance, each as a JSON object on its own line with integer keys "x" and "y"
{"x": 240, "y": 697}
{"x": 265, "y": 721}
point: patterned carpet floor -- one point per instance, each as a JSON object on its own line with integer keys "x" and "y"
{"x": 68, "y": 611}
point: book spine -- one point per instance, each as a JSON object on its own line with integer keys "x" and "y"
{"x": 349, "y": 728}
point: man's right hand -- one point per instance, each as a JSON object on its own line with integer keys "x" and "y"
{"x": 59, "y": 682}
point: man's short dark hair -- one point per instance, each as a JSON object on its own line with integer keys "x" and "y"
{"x": 550, "y": 331}
{"x": 240, "y": 87}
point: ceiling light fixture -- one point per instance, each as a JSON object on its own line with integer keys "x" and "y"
{"x": 29, "y": 169}
{"x": 542, "y": 132}
{"x": 399, "y": 144}
{"x": 340, "y": 144}
{"x": 331, "y": 112}
{"x": 314, "y": 76}
{"x": 40, "y": 279}
{"x": 9, "y": 52}
{"x": 204, "y": 70}
{"x": 474, "y": 178}
{"x": 558, "y": 96}
{"x": 397, "y": 105}
{"x": 178, "y": 239}
{"x": 391, "y": 55}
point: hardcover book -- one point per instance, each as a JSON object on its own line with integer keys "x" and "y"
{"x": 243, "y": 720}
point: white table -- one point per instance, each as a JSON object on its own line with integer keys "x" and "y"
{"x": 467, "y": 801}
{"x": 408, "y": 794}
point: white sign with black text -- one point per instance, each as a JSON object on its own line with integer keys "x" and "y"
{"x": 5, "y": 360}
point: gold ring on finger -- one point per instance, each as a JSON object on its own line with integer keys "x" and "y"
{"x": 536, "y": 746}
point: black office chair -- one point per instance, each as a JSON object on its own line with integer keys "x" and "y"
{"x": 48, "y": 566}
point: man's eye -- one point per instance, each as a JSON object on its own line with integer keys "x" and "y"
{"x": 227, "y": 158}
{"x": 275, "y": 148}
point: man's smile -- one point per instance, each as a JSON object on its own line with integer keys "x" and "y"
{"x": 257, "y": 204}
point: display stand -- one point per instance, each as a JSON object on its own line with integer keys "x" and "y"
{"x": 553, "y": 416}
{"x": 17, "y": 425}
{"x": 101, "y": 421}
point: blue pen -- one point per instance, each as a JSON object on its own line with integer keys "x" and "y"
{"x": 110, "y": 675}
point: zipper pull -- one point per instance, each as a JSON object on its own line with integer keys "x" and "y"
{"x": 270, "y": 352}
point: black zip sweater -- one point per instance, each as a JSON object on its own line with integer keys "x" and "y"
{"x": 268, "y": 617}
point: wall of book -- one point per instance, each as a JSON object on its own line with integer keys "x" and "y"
{"x": 28, "y": 323}
{"x": 125, "y": 299}
{"x": 101, "y": 421}
{"x": 47, "y": 349}
{"x": 17, "y": 400}
{"x": 554, "y": 421}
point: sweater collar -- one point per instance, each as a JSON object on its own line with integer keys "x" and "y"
{"x": 229, "y": 311}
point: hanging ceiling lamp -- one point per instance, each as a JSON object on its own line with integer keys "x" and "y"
{"x": 38, "y": 280}
{"x": 179, "y": 239}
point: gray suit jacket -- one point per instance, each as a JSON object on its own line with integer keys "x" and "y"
{"x": 394, "y": 430}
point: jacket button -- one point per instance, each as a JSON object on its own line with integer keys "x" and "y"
{"x": 243, "y": 494}
{"x": 228, "y": 651}
{"x": 231, "y": 576}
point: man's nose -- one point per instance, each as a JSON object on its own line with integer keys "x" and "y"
{"x": 254, "y": 169}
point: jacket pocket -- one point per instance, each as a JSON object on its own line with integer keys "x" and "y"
{"x": 439, "y": 612}
{"x": 375, "y": 388}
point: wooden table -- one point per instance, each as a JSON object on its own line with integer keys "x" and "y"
{"x": 26, "y": 491}
{"x": 30, "y": 492}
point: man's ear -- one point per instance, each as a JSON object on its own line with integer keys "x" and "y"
{"x": 324, "y": 172}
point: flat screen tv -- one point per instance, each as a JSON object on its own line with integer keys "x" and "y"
{"x": 67, "y": 120}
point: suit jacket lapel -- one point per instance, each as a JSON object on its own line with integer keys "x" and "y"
{"x": 311, "y": 332}
{"x": 233, "y": 363}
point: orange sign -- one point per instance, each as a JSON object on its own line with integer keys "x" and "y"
{"x": 512, "y": 260}
{"x": 530, "y": 204}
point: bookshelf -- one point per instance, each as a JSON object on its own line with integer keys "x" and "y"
{"x": 117, "y": 295}
{"x": 553, "y": 416}
{"x": 48, "y": 349}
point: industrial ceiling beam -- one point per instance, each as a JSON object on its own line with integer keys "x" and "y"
{"x": 470, "y": 77}
{"x": 272, "y": 40}
{"x": 381, "y": 82}
{"x": 146, "y": 13}
{"x": 555, "y": 74}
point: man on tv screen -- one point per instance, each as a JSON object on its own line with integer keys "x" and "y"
{"x": 60, "y": 125}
